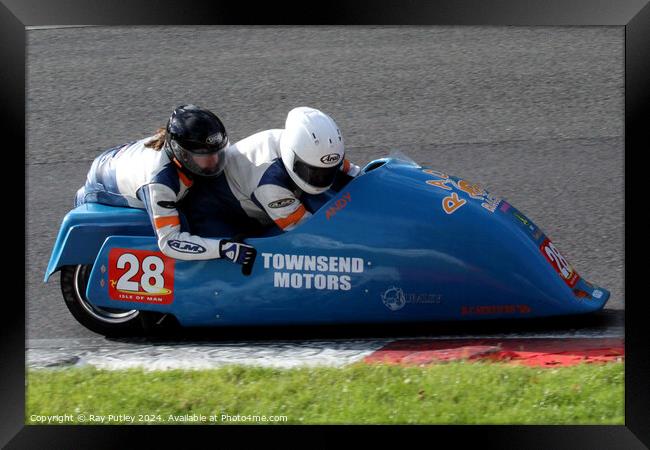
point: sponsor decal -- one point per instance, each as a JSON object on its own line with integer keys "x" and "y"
{"x": 282, "y": 202}
{"x": 580, "y": 293}
{"x": 395, "y": 298}
{"x": 491, "y": 202}
{"x": 521, "y": 218}
{"x": 561, "y": 266}
{"x": 338, "y": 205}
{"x": 330, "y": 159}
{"x": 535, "y": 232}
{"x": 436, "y": 173}
{"x": 474, "y": 190}
{"x": 589, "y": 294}
{"x": 453, "y": 202}
{"x": 214, "y": 139}
{"x": 439, "y": 183}
{"x": 495, "y": 309}
{"x": 186, "y": 247}
{"x": 140, "y": 276}
{"x": 330, "y": 273}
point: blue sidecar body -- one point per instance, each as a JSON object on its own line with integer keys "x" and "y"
{"x": 399, "y": 243}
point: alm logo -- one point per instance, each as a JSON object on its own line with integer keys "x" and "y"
{"x": 393, "y": 298}
{"x": 186, "y": 247}
{"x": 282, "y": 202}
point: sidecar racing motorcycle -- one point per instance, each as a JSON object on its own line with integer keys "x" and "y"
{"x": 399, "y": 243}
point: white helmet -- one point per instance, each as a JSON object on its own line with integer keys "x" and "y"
{"x": 312, "y": 149}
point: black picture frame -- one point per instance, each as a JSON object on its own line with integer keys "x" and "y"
{"x": 634, "y": 15}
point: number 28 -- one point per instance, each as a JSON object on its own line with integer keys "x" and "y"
{"x": 563, "y": 265}
{"x": 152, "y": 268}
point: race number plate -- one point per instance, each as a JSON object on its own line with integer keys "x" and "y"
{"x": 562, "y": 267}
{"x": 140, "y": 276}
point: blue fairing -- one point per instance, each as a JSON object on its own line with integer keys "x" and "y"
{"x": 398, "y": 243}
{"x": 85, "y": 228}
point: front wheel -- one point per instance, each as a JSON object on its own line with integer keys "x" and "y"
{"x": 107, "y": 321}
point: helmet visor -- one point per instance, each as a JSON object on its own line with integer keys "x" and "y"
{"x": 320, "y": 177}
{"x": 200, "y": 161}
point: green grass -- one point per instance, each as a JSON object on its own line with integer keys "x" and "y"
{"x": 454, "y": 393}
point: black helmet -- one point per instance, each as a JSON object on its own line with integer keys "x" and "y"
{"x": 195, "y": 136}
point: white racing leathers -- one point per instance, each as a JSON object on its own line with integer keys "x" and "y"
{"x": 260, "y": 183}
{"x": 136, "y": 176}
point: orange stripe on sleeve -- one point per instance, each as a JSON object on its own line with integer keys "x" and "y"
{"x": 167, "y": 221}
{"x": 292, "y": 218}
{"x": 186, "y": 181}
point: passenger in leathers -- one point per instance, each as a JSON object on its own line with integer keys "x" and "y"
{"x": 268, "y": 175}
{"x": 156, "y": 172}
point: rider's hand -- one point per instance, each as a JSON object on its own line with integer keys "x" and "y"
{"x": 237, "y": 252}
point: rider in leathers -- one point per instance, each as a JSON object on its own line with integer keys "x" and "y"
{"x": 268, "y": 173}
{"x": 156, "y": 172}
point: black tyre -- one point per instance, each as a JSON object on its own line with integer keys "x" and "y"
{"x": 107, "y": 321}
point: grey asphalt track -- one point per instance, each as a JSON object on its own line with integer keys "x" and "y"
{"x": 533, "y": 114}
